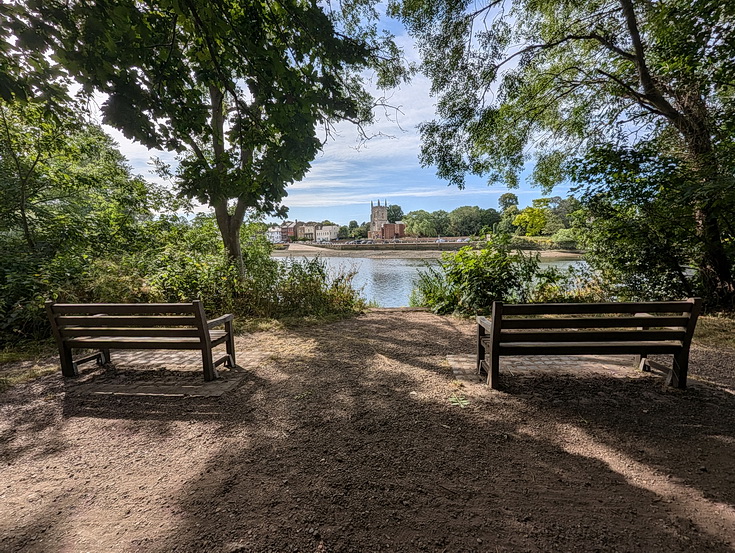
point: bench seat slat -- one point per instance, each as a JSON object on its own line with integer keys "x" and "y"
{"x": 596, "y": 322}
{"x": 126, "y": 320}
{"x": 588, "y": 348}
{"x": 596, "y": 308}
{"x": 123, "y": 308}
{"x": 592, "y": 336}
{"x": 126, "y": 332}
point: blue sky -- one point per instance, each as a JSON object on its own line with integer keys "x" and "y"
{"x": 344, "y": 178}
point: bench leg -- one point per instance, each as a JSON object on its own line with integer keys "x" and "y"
{"x": 641, "y": 362}
{"x": 210, "y": 373}
{"x": 678, "y": 375}
{"x": 68, "y": 366}
{"x": 105, "y": 356}
{"x": 480, "y": 348}
{"x": 230, "y": 344}
{"x": 493, "y": 375}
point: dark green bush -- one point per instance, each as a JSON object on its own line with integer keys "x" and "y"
{"x": 469, "y": 280}
{"x": 174, "y": 261}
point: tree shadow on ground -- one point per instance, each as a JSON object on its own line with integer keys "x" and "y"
{"x": 347, "y": 441}
{"x": 365, "y": 464}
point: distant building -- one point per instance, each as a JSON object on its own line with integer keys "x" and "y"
{"x": 289, "y": 231}
{"x": 378, "y": 218}
{"x": 309, "y": 231}
{"x": 273, "y": 234}
{"x": 391, "y": 231}
{"x": 327, "y": 233}
{"x": 380, "y": 228}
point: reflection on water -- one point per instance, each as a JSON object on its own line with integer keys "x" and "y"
{"x": 388, "y": 282}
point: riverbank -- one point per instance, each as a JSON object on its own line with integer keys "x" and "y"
{"x": 304, "y": 250}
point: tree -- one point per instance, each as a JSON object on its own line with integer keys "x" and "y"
{"x": 52, "y": 170}
{"x": 470, "y": 220}
{"x": 420, "y": 223}
{"x": 359, "y": 231}
{"x": 66, "y": 198}
{"x": 531, "y": 220}
{"x": 506, "y": 200}
{"x": 569, "y": 78}
{"x": 633, "y": 222}
{"x": 237, "y": 88}
{"x": 395, "y": 213}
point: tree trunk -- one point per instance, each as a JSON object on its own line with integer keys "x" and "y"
{"x": 24, "y": 220}
{"x": 229, "y": 224}
{"x": 691, "y": 119}
{"x": 715, "y": 266}
{"x": 229, "y": 227}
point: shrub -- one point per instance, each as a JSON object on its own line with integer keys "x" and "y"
{"x": 469, "y": 280}
{"x": 565, "y": 239}
{"x": 187, "y": 263}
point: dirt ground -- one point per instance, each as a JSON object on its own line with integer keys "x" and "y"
{"x": 351, "y": 437}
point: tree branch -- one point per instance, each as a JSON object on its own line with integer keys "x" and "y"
{"x": 651, "y": 92}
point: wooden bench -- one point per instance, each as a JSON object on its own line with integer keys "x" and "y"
{"x": 105, "y": 326}
{"x": 639, "y": 328}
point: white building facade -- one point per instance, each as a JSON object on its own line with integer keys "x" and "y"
{"x": 273, "y": 234}
{"x": 327, "y": 233}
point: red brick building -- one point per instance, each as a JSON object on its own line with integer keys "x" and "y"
{"x": 389, "y": 231}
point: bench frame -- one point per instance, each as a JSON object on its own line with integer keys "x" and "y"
{"x": 597, "y": 335}
{"x": 106, "y": 326}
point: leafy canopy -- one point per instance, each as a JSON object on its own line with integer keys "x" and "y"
{"x": 545, "y": 81}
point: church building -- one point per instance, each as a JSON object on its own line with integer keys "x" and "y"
{"x": 380, "y": 228}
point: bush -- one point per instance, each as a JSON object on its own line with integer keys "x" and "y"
{"x": 187, "y": 263}
{"x": 565, "y": 239}
{"x": 469, "y": 281}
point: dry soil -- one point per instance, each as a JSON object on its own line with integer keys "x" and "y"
{"x": 354, "y": 436}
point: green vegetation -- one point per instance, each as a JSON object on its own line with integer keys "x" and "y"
{"x": 395, "y": 213}
{"x": 462, "y": 221}
{"x": 469, "y": 280}
{"x": 630, "y": 101}
{"x": 77, "y": 226}
{"x": 238, "y": 90}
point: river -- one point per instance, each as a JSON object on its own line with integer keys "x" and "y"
{"x": 388, "y": 282}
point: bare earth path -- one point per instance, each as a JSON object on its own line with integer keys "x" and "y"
{"x": 343, "y": 438}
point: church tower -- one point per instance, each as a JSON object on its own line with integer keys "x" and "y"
{"x": 378, "y": 218}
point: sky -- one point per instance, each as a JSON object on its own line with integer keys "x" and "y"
{"x": 345, "y": 178}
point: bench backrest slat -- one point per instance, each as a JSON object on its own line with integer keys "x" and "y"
{"x": 596, "y": 322}
{"x": 596, "y": 308}
{"x": 153, "y": 332}
{"x": 593, "y": 336}
{"x": 153, "y": 320}
{"x": 123, "y": 308}
{"x": 126, "y": 320}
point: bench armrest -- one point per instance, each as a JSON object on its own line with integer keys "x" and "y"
{"x": 219, "y": 321}
{"x": 485, "y": 323}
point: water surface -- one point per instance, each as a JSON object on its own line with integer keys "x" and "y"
{"x": 388, "y": 282}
